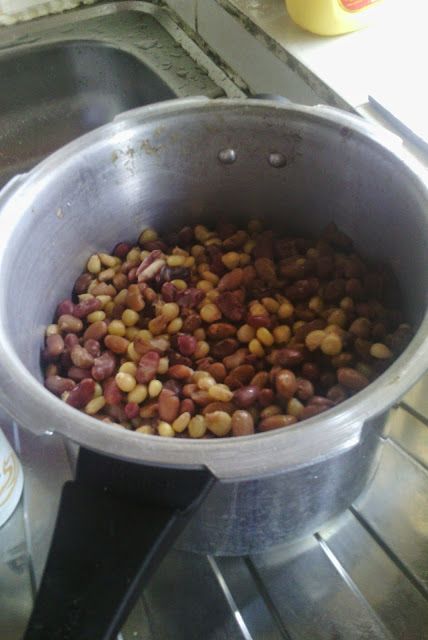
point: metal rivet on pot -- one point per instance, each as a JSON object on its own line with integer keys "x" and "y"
{"x": 227, "y": 156}
{"x": 277, "y": 160}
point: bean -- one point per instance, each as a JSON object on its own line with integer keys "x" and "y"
{"x": 81, "y": 394}
{"x": 112, "y": 393}
{"x": 220, "y": 330}
{"x": 81, "y": 357}
{"x": 66, "y": 307}
{"x": 169, "y": 405}
{"x": 219, "y": 423}
{"x": 187, "y": 345}
{"x": 246, "y": 396}
{"x": 286, "y": 384}
{"x": 58, "y": 385}
{"x": 54, "y": 346}
{"x": 197, "y": 426}
{"x": 96, "y": 331}
{"x": 82, "y": 283}
{"x": 69, "y": 324}
{"x": 217, "y": 370}
{"x": 93, "y": 347}
{"x": 236, "y": 359}
{"x": 231, "y": 280}
{"x": 147, "y": 367}
{"x": 104, "y": 366}
{"x": 117, "y": 344}
{"x": 224, "y": 348}
{"x": 351, "y": 379}
{"x": 180, "y": 372}
{"x": 288, "y": 357}
{"x": 187, "y": 405}
{"x": 77, "y": 374}
{"x": 228, "y": 407}
{"x": 95, "y": 405}
{"x": 276, "y": 422}
{"x": 220, "y": 392}
{"x": 84, "y": 308}
{"x": 241, "y": 375}
{"x": 305, "y": 389}
{"x": 242, "y": 423}
{"x": 377, "y": 350}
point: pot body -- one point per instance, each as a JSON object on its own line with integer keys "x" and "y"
{"x": 189, "y": 162}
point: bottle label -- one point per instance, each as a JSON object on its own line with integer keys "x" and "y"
{"x": 356, "y": 5}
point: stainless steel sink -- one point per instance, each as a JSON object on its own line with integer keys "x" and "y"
{"x": 65, "y": 75}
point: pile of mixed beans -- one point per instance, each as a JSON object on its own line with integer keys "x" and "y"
{"x": 211, "y": 333}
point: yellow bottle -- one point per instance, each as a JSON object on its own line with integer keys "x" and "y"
{"x": 332, "y": 17}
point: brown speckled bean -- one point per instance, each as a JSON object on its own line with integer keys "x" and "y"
{"x": 242, "y": 423}
{"x": 276, "y": 422}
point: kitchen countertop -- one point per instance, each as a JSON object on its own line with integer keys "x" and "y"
{"x": 345, "y": 70}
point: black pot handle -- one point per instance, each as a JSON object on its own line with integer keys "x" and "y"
{"x": 115, "y": 523}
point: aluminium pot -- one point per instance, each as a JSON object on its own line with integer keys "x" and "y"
{"x": 185, "y": 162}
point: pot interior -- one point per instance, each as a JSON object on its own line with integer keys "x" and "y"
{"x": 165, "y": 172}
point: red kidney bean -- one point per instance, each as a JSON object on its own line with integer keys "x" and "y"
{"x": 58, "y": 385}
{"x": 66, "y": 307}
{"x": 54, "y": 346}
{"x": 261, "y": 379}
{"x": 266, "y": 397}
{"x": 311, "y": 410}
{"x": 311, "y": 371}
{"x": 77, "y": 374}
{"x": 235, "y": 241}
{"x": 86, "y": 307}
{"x": 147, "y": 367}
{"x": 112, "y": 393}
{"x": 191, "y": 297}
{"x": 70, "y": 340}
{"x": 82, "y": 283}
{"x": 246, "y": 396}
{"x": 104, "y": 366}
{"x": 168, "y": 405}
{"x": 259, "y": 321}
{"x": 337, "y": 394}
{"x": 175, "y": 387}
{"x": 243, "y": 373}
{"x": 288, "y": 357}
{"x": 186, "y": 344}
{"x": 169, "y": 292}
{"x": 191, "y": 323}
{"x": 132, "y": 410}
{"x": 185, "y": 236}
{"x": 351, "y": 379}
{"x": 230, "y": 307}
{"x": 122, "y": 249}
{"x": 305, "y": 389}
{"x": 93, "y": 347}
{"x": 321, "y": 401}
{"x": 81, "y": 394}
{"x": 81, "y": 358}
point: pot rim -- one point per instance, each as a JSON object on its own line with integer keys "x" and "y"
{"x": 322, "y": 436}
